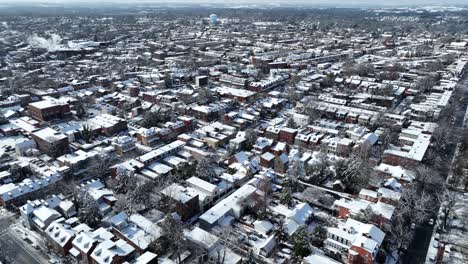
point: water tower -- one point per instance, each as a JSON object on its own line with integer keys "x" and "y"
{"x": 213, "y": 19}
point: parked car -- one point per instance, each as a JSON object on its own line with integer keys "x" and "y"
{"x": 431, "y": 222}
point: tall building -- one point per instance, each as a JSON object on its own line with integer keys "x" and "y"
{"x": 213, "y": 19}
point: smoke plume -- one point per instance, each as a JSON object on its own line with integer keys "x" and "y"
{"x": 50, "y": 44}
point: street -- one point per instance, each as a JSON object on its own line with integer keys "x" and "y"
{"x": 419, "y": 246}
{"x": 13, "y": 246}
{"x": 417, "y": 250}
{"x": 18, "y": 250}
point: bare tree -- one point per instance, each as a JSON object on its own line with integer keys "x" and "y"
{"x": 311, "y": 110}
{"x": 100, "y": 167}
{"x": 88, "y": 211}
{"x": 153, "y": 118}
{"x": 318, "y": 196}
{"x": 295, "y": 173}
{"x": 428, "y": 179}
{"x": 124, "y": 181}
{"x": 204, "y": 95}
{"x": 400, "y": 233}
{"x": 142, "y": 197}
{"x": 250, "y": 137}
{"x": 172, "y": 232}
{"x": 228, "y": 237}
{"x": 205, "y": 169}
{"x": 425, "y": 84}
{"x": 353, "y": 172}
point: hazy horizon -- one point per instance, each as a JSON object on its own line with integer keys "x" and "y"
{"x": 353, "y": 3}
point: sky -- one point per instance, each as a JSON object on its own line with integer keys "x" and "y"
{"x": 308, "y": 2}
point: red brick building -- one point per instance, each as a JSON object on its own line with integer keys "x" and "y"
{"x": 287, "y": 135}
{"x": 48, "y": 110}
{"x": 51, "y": 142}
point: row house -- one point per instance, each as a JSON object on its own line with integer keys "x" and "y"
{"x": 19, "y": 193}
{"x": 61, "y": 236}
{"x": 107, "y": 124}
{"x": 382, "y": 212}
{"x": 124, "y": 144}
{"x": 354, "y": 242}
{"x": 268, "y": 84}
{"x": 263, "y": 145}
{"x": 382, "y": 194}
{"x": 240, "y": 95}
{"x": 162, "y": 152}
{"x": 135, "y": 229}
{"x": 272, "y": 133}
{"x": 403, "y": 176}
{"x": 58, "y": 203}
{"x": 147, "y": 136}
{"x": 207, "y": 112}
{"x": 287, "y": 135}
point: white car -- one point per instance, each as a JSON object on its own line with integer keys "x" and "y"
{"x": 435, "y": 244}
{"x": 431, "y": 222}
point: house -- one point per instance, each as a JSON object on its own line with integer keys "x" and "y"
{"x": 298, "y": 217}
{"x": 280, "y": 148}
{"x": 281, "y": 163}
{"x": 79, "y": 161}
{"x": 112, "y": 252}
{"x": 287, "y": 135}
{"x": 382, "y": 212}
{"x": 402, "y": 175}
{"x": 61, "y": 236}
{"x": 213, "y": 247}
{"x": 28, "y": 208}
{"x": 186, "y": 203}
{"x": 250, "y": 163}
{"x": 354, "y": 242}
{"x": 43, "y": 216}
{"x": 124, "y": 144}
{"x": 227, "y": 209}
{"x": 204, "y": 186}
{"x": 136, "y": 230}
{"x": 86, "y": 241}
{"x": 272, "y": 133}
{"x": 147, "y": 136}
{"x": 107, "y": 124}
{"x": 263, "y": 144}
{"x": 103, "y": 196}
{"x": 267, "y": 160}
